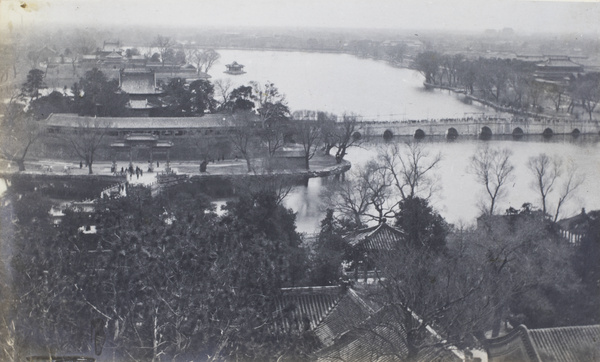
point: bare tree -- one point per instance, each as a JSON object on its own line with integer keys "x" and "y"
{"x": 271, "y": 105}
{"x": 426, "y": 293}
{"x": 546, "y": 171}
{"x": 210, "y": 56}
{"x": 86, "y": 139}
{"x": 555, "y": 93}
{"x": 223, "y": 88}
{"x": 243, "y": 136}
{"x": 203, "y": 59}
{"x": 349, "y": 198}
{"x": 309, "y": 136}
{"x": 363, "y": 195}
{"x": 342, "y": 135}
{"x": 410, "y": 167}
{"x": 493, "y": 169}
{"x": 163, "y": 43}
{"x": 586, "y": 89}
{"x": 273, "y": 138}
{"x": 194, "y": 56}
{"x": 573, "y": 181}
{"x": 18, "y": 132}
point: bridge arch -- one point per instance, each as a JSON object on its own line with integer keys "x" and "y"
{"x": 451, "y": 133}
{"x": 356, "y": 136}
{"x": 388, "y": 135}
{"x": 419, "y": 134}
{"x": 548, "y": 132}
{"x": 518, "y": 132}
{"x": 576, "y": 132}
{"x": 485, "y": 133}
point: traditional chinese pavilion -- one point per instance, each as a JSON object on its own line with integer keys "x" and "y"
{"x": 235, "y": 68}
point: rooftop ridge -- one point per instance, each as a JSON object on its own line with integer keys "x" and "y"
{"x": 564, "y": 328}
{"x": 328, "y": 288}
{"x": 330, "y": 310}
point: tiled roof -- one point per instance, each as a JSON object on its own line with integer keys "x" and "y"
{"x": 306, "y": 307}
{"x": 551, "y": 63}
{"x": 566, "y": 343}
{"x": 328, "y": 311}
{"x": 381, "y": 338}
{"x": 133, "y": 81}
{"x": 188, "y": 76}
{"x": 114, "y": 55}
{"x": 561, "y": 344}
{"x": 144, "y": 123}
{"x": 380, "y": 237}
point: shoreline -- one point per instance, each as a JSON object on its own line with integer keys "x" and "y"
{"x": 495, "y": 106}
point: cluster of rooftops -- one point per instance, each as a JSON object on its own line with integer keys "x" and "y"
{"x": 351, "y": 326}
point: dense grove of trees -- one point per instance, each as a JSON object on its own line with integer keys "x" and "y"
{"x": 167, "y": 278}
{"x": 509, "y": 82}
{"x": 162, "y": 278}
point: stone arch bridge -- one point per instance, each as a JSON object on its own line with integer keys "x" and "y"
{"x": 484, "y": 128}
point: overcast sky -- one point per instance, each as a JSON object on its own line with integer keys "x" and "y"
{"x": 521, "y": 15}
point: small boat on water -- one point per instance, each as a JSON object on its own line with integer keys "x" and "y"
{"x": 234, "y": 68}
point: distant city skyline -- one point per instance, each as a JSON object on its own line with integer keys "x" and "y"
{"x": 464, "y": 15}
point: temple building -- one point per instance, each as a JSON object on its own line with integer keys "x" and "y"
{"x": 108, "y": 47}
{"x": 140, "y": 86}
{"x": 557, "y": 69}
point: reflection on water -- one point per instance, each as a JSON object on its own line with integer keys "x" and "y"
{"x": 459, "y": 195}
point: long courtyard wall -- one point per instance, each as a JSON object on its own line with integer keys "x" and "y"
{"x": 197, "y": 138}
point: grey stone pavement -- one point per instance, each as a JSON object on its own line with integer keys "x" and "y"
{"x": 72, "y": 167}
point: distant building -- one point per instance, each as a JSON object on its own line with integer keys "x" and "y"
{"x": 557, "y": 69}
{"x": 562, "y": 344}
{"x": 140, "y": 86}
{"x": 234, "y": 68}
{"x": 113, "y": 59}
{"x": 45, "y": 53}
{"x": 576, "y": 227}
{"x": 211, "y": 125}
{"x": 110, "y": 46}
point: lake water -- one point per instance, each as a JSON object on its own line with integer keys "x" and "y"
{"x": 459, "y": 193}
{"x": 341, "y": 83}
